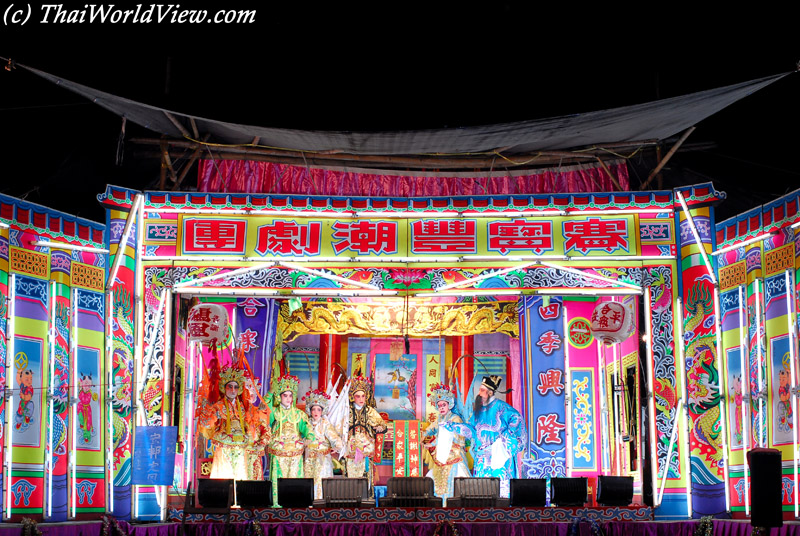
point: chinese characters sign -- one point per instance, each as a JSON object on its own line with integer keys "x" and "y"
{"x": 258, "y": 236}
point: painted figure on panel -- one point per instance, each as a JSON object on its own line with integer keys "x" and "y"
{"x": 498, "y": 433}
{"x": 238, "y": 430}
{"x": 290, "y": 431}
{"x": 447, "y": 449}
{"x": 324, "y": 443}
{"x": 84, "y": 408}
{"x": 26, "y": 407}
{"x": 363, "y": 426}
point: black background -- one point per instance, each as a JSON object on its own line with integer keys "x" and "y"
{"x": 397, "y": 66}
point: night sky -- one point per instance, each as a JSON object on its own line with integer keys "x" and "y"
{"x": 369, "y": 67}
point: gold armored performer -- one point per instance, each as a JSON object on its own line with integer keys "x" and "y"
{"x": 364, "y": 424}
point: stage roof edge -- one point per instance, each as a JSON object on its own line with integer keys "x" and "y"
{"x": 58, "y": 226}
{"x": 696, "y": 195}
{"x": 767, "y": 218}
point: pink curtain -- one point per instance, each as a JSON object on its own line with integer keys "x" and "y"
{"x": 244, "y": 176}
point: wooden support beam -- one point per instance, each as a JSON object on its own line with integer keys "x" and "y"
{"x": 177, "y": 124}
{"x": 667, "y": 157}
{"x": 611, "y": 175}
{"x": 190, "y": 163}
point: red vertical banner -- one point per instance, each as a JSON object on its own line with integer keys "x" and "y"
{"x": 399, "y": 465}
{"x": 413, "y": 448}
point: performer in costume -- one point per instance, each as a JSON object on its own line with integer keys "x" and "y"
{"x": 496, "y": 430}
{"x": 318, "y": 461}
{"x": 238, "y": 431}
{"x": 290, "y": 430}
{"x": 455, "y": 465}
{"x": 364, "y": 424}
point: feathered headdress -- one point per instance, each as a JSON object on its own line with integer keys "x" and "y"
{"x": 317, "y": 397}
{"x": 441, "y": 391}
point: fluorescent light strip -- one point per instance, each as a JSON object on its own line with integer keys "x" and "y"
{"x": 723, "y": 399}
{"x": 109, "y": 407}
{"x": 696, "y": 235}
{"x": 65, "y": 245}
{"x": 137, "y": 415}
{"x": 650, "y": 392}
{"x": 747, "y": 242}
{"x": 471, "y": 292}
{"x": 795, "y": 225}
{"x": 123, "y": 242}
{"x": 567, "y": 394}
{"x": 4, "y": 225}
{"x": 50, "y": 402}
{"x": 517, "y": 258}
{"x": 328, "y": 276}
{"x": 681, "y": 377}
{"x": 74, "y": 403}
{"x": 587, "y": 292}
{"x": 414, "y": 260}
{"x": 596, "y": 277}
{"x": 409, "y": 215}
{"x": 8, "y": 457}
{"x": 615, "y": 404}
{"x": 486, "y": 276}
{"x": 759, "y": 355}
{"x": 167, "y": 420}
{"x": 252, "y": 212}
{"x": 343, "y": 292}
{"x": 743, "y": 335}
{"x": 602, "y": 211}
{"x": 224, "y": 275}
{"x": 604, "y": 424}
{"x": 793, "y": 370}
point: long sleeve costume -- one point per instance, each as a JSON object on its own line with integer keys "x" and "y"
{"x": 318, "y": 461}
{"x": 456, "y": 463}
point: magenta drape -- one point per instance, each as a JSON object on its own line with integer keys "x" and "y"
{"x": 245, "y": 176}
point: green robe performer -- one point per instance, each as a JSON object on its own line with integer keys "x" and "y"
{"x": 290, "y": 430}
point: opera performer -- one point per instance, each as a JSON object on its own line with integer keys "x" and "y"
{"x": 452, "y": 462}
{"x": 238, "y": 431}
{"x": 325, "y": 441}
{"x": 364, "y": 424}
{"x": 290, "y": 431}
{"x": 498, "y": 435}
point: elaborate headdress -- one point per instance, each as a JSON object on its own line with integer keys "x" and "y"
{"x": 492, "y": 382}
{"x": 232, "y": 374}
{"x": 360, "y": 383}
{"x": 441, "y": 391}
{"x": 317, "y": 397}
{"x": 287, "y": 382}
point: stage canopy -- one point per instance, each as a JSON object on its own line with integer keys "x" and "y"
{"x": 647, "y": 122}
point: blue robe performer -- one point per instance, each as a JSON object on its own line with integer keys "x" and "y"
{"x": 498, "y": 435}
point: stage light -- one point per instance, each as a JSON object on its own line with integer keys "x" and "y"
{"x": 410, "y": 492}
{"x": 569, "y": 491}
{"x": 346, "y": 493}
{"x": 477, "y": 492}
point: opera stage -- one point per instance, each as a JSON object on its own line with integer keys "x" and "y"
{"x": 632, "y": 521}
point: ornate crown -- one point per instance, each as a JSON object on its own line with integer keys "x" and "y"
{"x": 232, "y": 374}
{"x": 360, "y": 383}
{"x": 441, "y": 391}
{"x": 317, "y": 397}
{"x": 287, "y": 382}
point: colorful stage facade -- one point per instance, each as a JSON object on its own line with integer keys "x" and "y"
{"x": 96, "y": 352}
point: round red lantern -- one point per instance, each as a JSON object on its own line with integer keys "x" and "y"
{"x": 208, "y": 323}
{"x": 612, "y": 322}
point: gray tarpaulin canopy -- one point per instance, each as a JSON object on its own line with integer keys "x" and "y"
{"x": 649, "y": 121}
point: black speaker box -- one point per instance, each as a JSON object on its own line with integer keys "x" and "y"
{"x": 614, "y": 490}
{"x": 528, "y": 492}
{"x": 765, "y": 488}
{"x": 569, "y": 491}
{"x": 296, "y": 492}
{"x": 254, "y": 493}
{"x": 215, "y": 492}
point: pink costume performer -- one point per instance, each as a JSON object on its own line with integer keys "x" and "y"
{"x": 318, "y": 460}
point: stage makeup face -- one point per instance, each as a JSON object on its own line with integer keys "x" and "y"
{"x": 360, "y": 398}
{"x": 286, "y": 398}
{"x": 485, "y": 394}
{"x": 316, "y": 412}
{"x": 442, "y": 407}
{"x": 231, "y": 390}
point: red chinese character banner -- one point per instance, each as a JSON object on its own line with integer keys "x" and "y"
{"x": 543, "y": 354}
{"x": 256, "y": 236}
